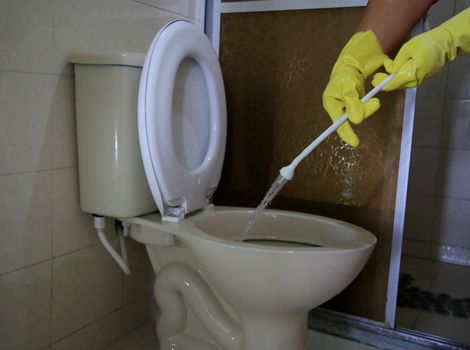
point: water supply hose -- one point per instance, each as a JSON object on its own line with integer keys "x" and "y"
{"x": 100, "y": 224}
{"x": 287, "y": 172}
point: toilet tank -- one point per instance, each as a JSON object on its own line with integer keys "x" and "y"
{"x": 111, "y": 173}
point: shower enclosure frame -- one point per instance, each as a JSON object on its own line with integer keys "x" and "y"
{"x": 214, "y": 11}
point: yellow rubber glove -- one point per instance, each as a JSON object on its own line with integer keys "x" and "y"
{"x": 424, "y": 55}
{"x": 361, "y": 56}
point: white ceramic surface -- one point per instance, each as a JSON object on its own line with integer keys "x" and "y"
{"x": 269, "y": 285}
{"x": 181, "y": 119}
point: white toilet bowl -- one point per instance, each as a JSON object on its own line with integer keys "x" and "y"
{"x": 214, "y": 290}
{"x": 293, "y": 263}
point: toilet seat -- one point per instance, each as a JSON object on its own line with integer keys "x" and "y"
{"x": 181, "y": 119}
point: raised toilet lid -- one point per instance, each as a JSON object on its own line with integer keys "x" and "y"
{"x": 181, "y": 119}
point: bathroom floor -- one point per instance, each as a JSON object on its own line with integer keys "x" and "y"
{"x": 145, "y": 338}
{"x": 434, "y": 298}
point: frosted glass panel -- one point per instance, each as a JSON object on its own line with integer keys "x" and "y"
{"x": 275, "y": 67}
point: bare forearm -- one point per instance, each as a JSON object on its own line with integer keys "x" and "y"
{"x": 391, "y": 21}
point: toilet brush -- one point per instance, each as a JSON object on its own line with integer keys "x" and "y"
{"x": 287, "y": 172}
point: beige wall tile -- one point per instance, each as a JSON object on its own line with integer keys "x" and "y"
{"x": 144, "y": 338}
{"x": 459, "y": 72}
{"x": 459, "y": 78}
{"x": 25, "y": 118}
{"x": 423, "y": 270}
{"x": 149, "y": 21}
{"x": 194, "y": 9}
{"x": 104, "y": 25}
{"x": 452, "y": 222}
{"x": 419, "y": 217}
{"x": 95, "y": 336}
{"x": 428, "y": 122}
{"x": 140, "y": 282}
{"x": 25, "y": 308}
{"x": 87, "y": 285}
{"x": 26, "y": 35}
{"x": 417, "y": 249}
{"x": 461, "y": 5}
{"x": 454, "y": 172}
{"x": 423, "y": 170}
{"x": 456, "y": 132}
{"x": 72, "y": 228}
{"x": 64, "y": 140}
{"x": 25, "y": 214}
{"x": 138, "y": 312}
{"x": 435, "y": 87}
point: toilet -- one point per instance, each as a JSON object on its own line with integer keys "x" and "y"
{"x": 151, "y": 140}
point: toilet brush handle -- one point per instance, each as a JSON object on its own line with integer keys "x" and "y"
{"x": 288, "y": 171}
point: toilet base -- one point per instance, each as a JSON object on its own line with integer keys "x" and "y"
{"x": 279, "y": 332}
{"x": 215, "y": 292}
{"x": 178, "y": 288}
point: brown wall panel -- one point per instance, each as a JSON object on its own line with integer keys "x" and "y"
{"x": 275, "y": 66}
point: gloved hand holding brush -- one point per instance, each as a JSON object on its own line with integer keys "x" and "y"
{"x": 361, "y": 56}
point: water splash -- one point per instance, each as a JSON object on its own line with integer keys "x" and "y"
{"x": 277, "y": 185}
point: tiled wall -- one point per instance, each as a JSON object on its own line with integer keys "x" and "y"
{"x": 438, "y": 209}
{"x": 59, "y": 289}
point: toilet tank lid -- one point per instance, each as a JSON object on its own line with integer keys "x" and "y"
{"x": 121, "y": 58}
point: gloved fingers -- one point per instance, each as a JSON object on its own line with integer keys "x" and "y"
{"x": 371, "y": 106}
{"x": 389, "y": 66}
{"x": 404, "y": 78}
{"x": 358, "y": 111}
{"x": 352, "y": 103}
{"x": 405, "y": 73}
{"x": 333, "y": 106}
{"x": 378, "y": 78}
{"x": 346, "y": 133}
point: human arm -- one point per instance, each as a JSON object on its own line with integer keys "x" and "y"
{"x": 426, "y": 54}
{"x": 382, "y": 27}
{"x": 391, "y": 21}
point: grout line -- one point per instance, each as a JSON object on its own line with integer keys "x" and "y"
{"x": 77, "y": 250}
{"x": 25, "y": 172}
{"x": 52, "y": 255}
{"x": 438, "y": 196}
{"x": 443, "y": 98}
{"x": 38, "y": 171}
{"x": 25, "y": 267}
{"x": 94, "y": 321}
{"x": 441, "y": 148}
{"x": 14, "y": 71}
{"x": 162, "y": 9}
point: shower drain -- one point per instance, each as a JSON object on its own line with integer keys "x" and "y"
{"x": 412, "y": 297}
